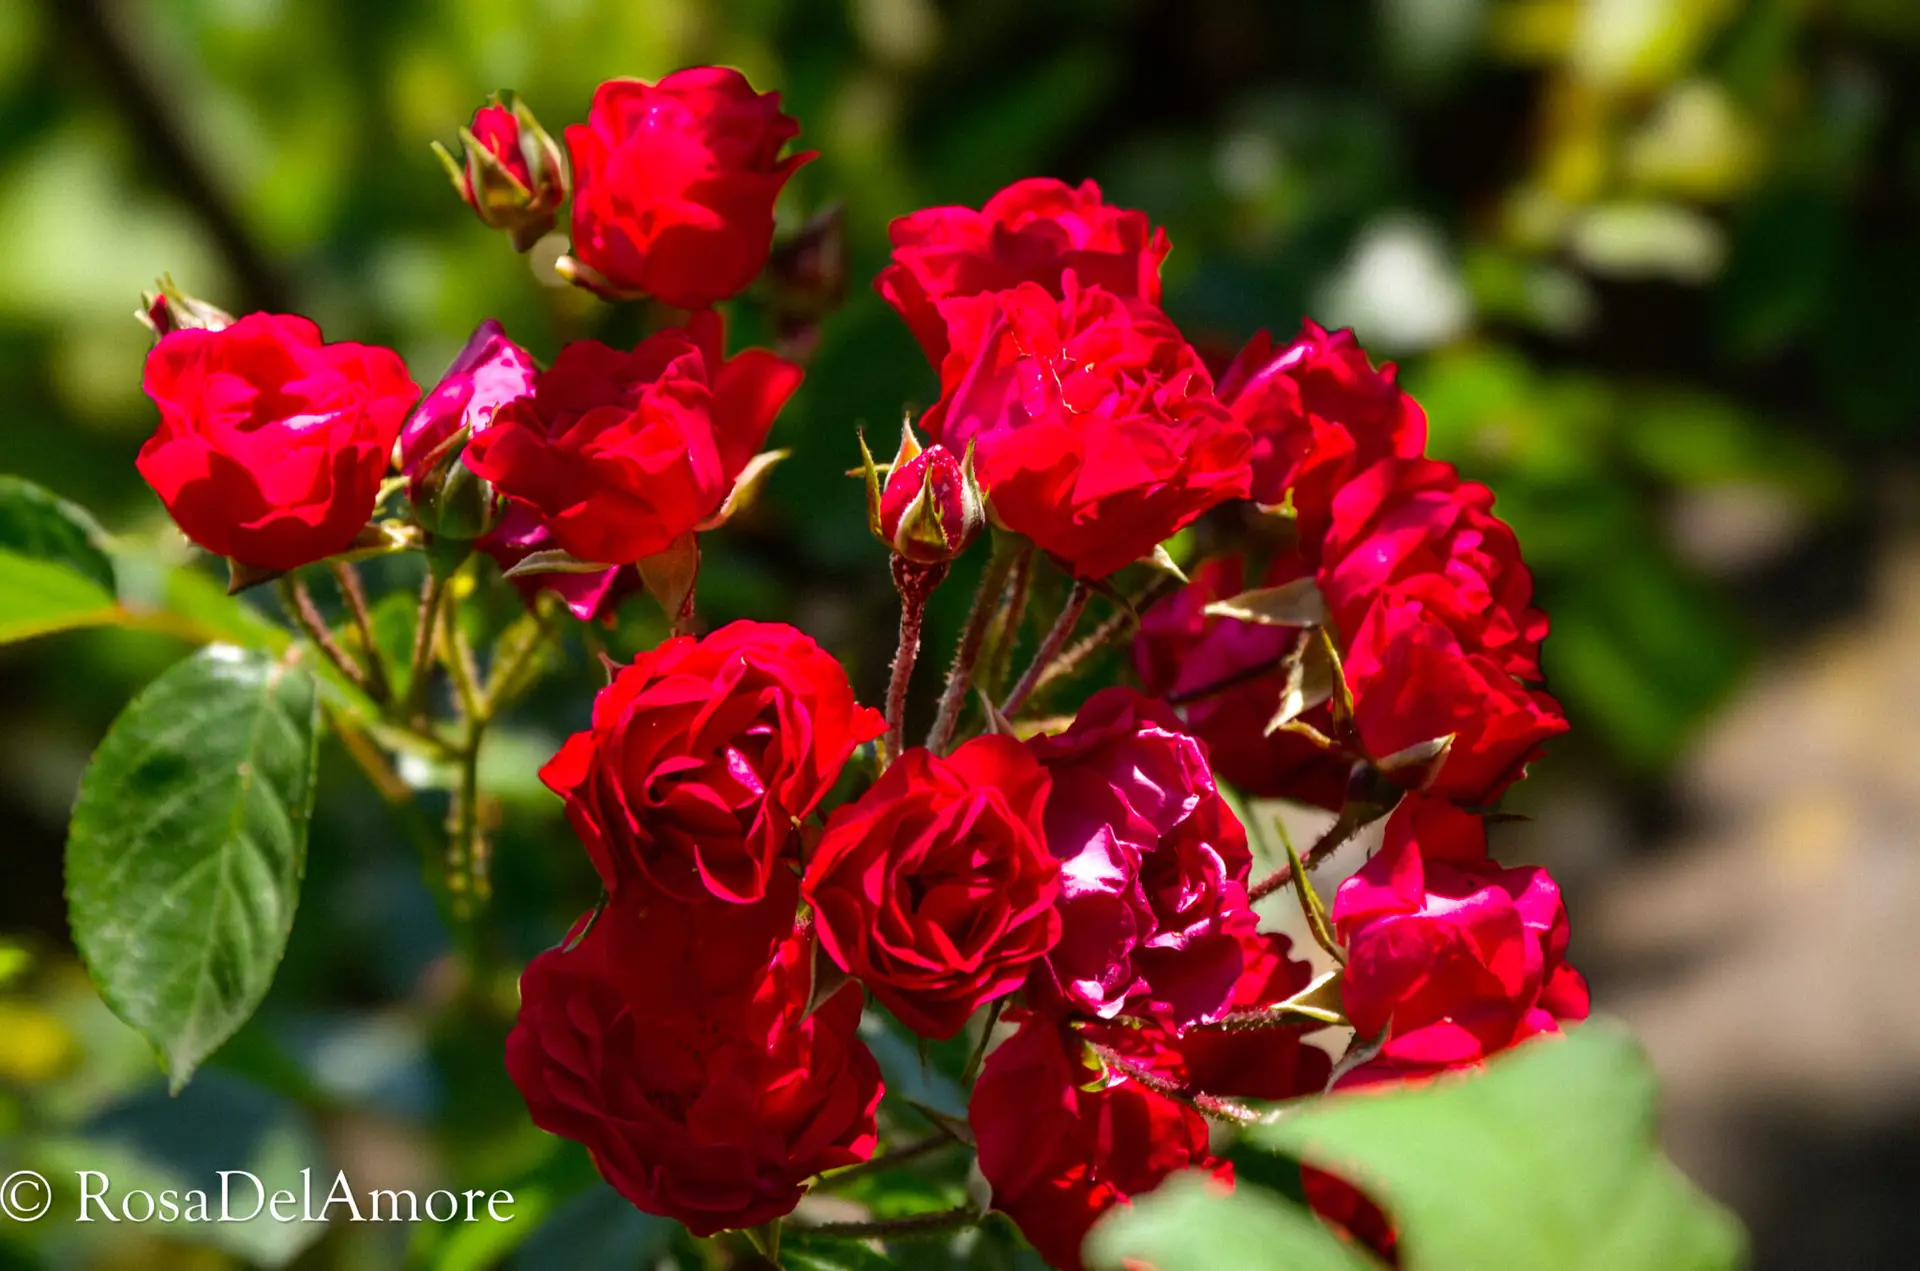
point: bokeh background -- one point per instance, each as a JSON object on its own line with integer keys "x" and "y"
{"x": 1652, "y": 266}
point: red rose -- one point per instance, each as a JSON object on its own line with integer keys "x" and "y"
{"x": 674, "y": 185}
{"x": 271, "y": 445}
{"x": 1154, "y": 866}
{"x": 1096, "y": 431}
{"x": 1225, "y": 674}
{"x": 1413, "y": 683}
{"x": 1346, "y": 1208}
{"x": 1059, "y": 1149}
{"x": 1032, "y": 231}
{"x": 1454, "y": 959}
{"x": 674, "y": 1042}
{"x": 622, "y": 453}
{"x": 704, "y": 756}
{"x": 488, "y": 373}
{"x": 1318, "y": 412}
{"x": 934, "y": 888}
{"x": 1412, "y": 523}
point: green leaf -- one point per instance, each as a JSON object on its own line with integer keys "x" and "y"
{"x": 598, "y": 1230}
{"x": 53, "y": 573}
{"x": 188, "y": 844}
{"x": 1545, "y": 1159}
{"x": 802, "y": 1252}
{"x": 1191, "y": 1224}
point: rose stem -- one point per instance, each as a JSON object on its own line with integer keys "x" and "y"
{"x": 355, "y": 596}
{"x": 1310, "y": 907}
{"x": 908, "y": 1228}
{"x": 986, "y": 598}
{"x": 915, "y": 584}
{"x": 889, "y": 1160}
{"x": 299, "y": 605}
{"x": 430, "y": 595}
{"x": 1213, "y": 1106}
{"x": 1339, "y": 832}
{"x": 1006, "y": 628}
{"x": 1049, "y": 649}
{"x": 1121, "y": 623}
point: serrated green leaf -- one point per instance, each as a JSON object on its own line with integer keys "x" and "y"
{"x": 1545, "y": 1159}
{"x": 1192, "y": 1224}
{"x": 188, "y": 844}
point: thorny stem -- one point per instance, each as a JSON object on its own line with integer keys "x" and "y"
{"x": 520, "y": 647}
{"x": 1118, "y": 624}
{"x": 431, "y": 593}
{"x": 915, "y": 583}
{"x": 1012, "y": 613}
{"x": 1338, "y": 833}
{"x": 355, "y": 597}
{"x": 985, "y": 600}
{"x": 908, "y": 1228}
{"x": 300, "y": 607}
{"x": 459, "y": 659}
{"x": 1227, "y": 1110}
{"x": 1050, "y": 647}
{"x": 890, "y": 1160}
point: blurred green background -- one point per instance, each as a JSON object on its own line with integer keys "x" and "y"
{"x": 1652, "y": 266}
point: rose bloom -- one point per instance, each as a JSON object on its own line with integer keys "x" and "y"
{"x": 1032, "y": 231}
{"x": 1454, "y": 958}
{"x": 488, "y": 373}
{"x": 1413, "y": 683}
{"x": 703, "y": 757}
{"x": 934, "y": 888}
{"x": 1414, "y": 524}
{"x": 622, "y": 453}
{"x": 1096, "y": 428}
{"x": 674, "y": 185}
{"x": 1262, "y": 1063}
{"x": 674, "y": 1041}
{"x": 271, "y": 445}
{"x": 1154, "y": 865}
{"x": 1182, "y": 653}
{"x": 1060, "y": 1150}
{"x": 1318, "y": 412}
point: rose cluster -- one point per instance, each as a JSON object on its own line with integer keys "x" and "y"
{"x": 1074, "y": 887}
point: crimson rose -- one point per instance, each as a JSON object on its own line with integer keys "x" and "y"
{"x": 1154, "y": 866}
{"x": 1453, "y": 957}
{"x": 622, "y": 453}
{"x": 1096, "y": 431}
{"x": 1033, "y": 231}
{"x": 1061, "y": 1145}
{"x": 271, "y": 444}
{"x": 934, "y": 888}
{"x": 674, "y": 185}
{"x": 675, "y": 1042}
{"x": 703, "y": 757}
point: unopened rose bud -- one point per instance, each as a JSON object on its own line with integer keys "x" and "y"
{"x": 448, "y": 499}
{"x": 170, "y": 309}
{"x": 931, "y": 508}
{"x": 512, "y": 174}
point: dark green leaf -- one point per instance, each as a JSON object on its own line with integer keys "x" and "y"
{"x": 188, "y": 844}
{"x": 53, "y": 573}
{"x": 597, "y": 1230}
{"x": 1545, "y": 1159}
{"x": 815, "y": 1253}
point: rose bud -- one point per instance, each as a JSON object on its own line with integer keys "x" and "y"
{"x": 931, "y": 508}
{"x": 171, "y": 309}
{"x": 514, "y": 176}
{"x": 448, "y": 498}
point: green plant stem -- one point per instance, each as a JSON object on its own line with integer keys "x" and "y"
{"x": 979, "y": 1055}
{"x": 890, "y": 1160}
{"x": 355, "y": 596}
{"x": 299, "y": 605}
{"x": 431, "y": 594}
{"x": 1225, "y": 1110}
{"x": 986, "y": 597}
{"x": 1006, "y": 628}
{"x": 1055, "y": 640}
{"x": 516, "y": 651}
{"x": 915, "y": 583}
{"x": 459, "y": 660}
{"x": 912, "y": 1227}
